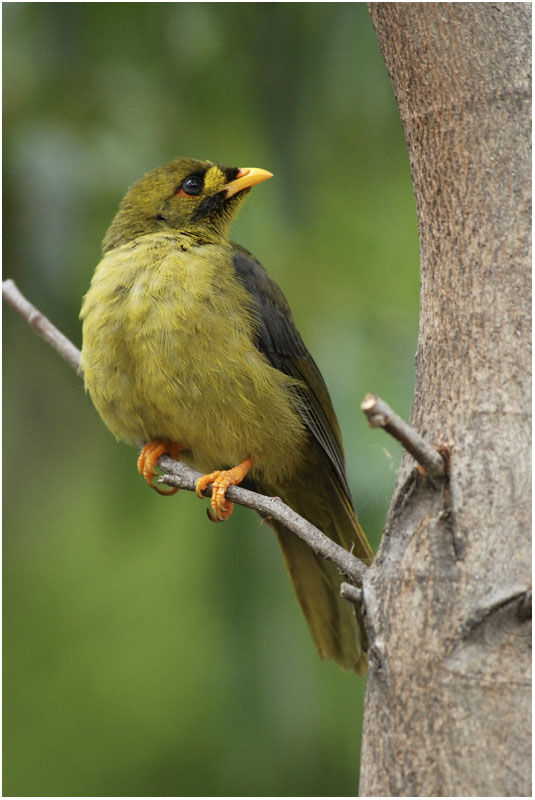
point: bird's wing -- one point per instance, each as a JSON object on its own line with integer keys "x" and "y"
{"x": 279, "y": 341}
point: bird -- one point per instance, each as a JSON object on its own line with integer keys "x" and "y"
{"x": 190, "y": 349}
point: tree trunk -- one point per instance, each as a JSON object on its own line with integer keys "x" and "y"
{"x": 448, "y": 598}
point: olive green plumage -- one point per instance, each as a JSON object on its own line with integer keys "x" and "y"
{"x": 187, "y": 339}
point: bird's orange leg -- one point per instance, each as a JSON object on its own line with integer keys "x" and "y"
{"x": 222, "y": 479}
{"x": 146, "y": 463}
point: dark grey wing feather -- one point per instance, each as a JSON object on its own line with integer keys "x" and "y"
{"x": 279, "y": 341}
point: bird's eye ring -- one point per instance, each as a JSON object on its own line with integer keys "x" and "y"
{"x": 191, "y": 186}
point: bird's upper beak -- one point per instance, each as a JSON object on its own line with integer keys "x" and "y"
{"x": 246, "y": 177}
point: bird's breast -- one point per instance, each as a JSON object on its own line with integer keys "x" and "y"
{"x": 168, "y": 352}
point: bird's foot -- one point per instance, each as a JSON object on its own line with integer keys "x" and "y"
{"x": 148, "y": 458}
{"x": 222, "y": 479}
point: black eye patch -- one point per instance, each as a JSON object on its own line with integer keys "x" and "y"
{"x": 192, "y": 185}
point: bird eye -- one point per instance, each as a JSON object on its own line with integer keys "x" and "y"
{"x": 191, "y": 185}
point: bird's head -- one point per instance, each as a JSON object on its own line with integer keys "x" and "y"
{"x": 195, "y": 197}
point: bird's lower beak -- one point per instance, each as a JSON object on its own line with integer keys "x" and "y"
{"x": 246, "y": 177}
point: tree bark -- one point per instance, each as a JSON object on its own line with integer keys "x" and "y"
{"x": 448, "y": 597}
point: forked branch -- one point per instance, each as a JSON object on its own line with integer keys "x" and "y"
{"x": 182, "y": 476}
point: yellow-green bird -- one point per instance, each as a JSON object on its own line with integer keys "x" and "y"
{"x": 189, "y": 348}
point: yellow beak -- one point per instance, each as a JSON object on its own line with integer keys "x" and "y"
{"x": 246, "y": 177}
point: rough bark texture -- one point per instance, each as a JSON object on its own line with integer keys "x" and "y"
{"x": 448, "y": 697}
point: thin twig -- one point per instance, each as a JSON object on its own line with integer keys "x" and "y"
{"x": 380, "y": 415}
{"x": 352, "y": 593}
{"x": 41, "y": 325}
{"x": 184, "y": 477}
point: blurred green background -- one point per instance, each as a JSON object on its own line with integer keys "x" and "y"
{"x": 147, "y": 651}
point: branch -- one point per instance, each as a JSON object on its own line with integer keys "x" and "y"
{"x": 380, "y": 415}
{"x": 184, "y": 477}
{"x": 41, "y": 325}
{"x": 353, "y": 594}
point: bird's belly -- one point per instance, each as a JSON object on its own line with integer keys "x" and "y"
{"x": 181, "y": 365}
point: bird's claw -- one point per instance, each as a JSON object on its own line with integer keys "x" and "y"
{"x": 221, "y": 480}
{"x": 148, "y": 458}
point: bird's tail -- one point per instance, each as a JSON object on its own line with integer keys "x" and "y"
{"x": 336, "y": 628}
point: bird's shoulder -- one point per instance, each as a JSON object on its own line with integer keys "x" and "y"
{"x": 277, "y": 332}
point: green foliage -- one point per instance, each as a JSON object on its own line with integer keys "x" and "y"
{"x": 147, "y": 651}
